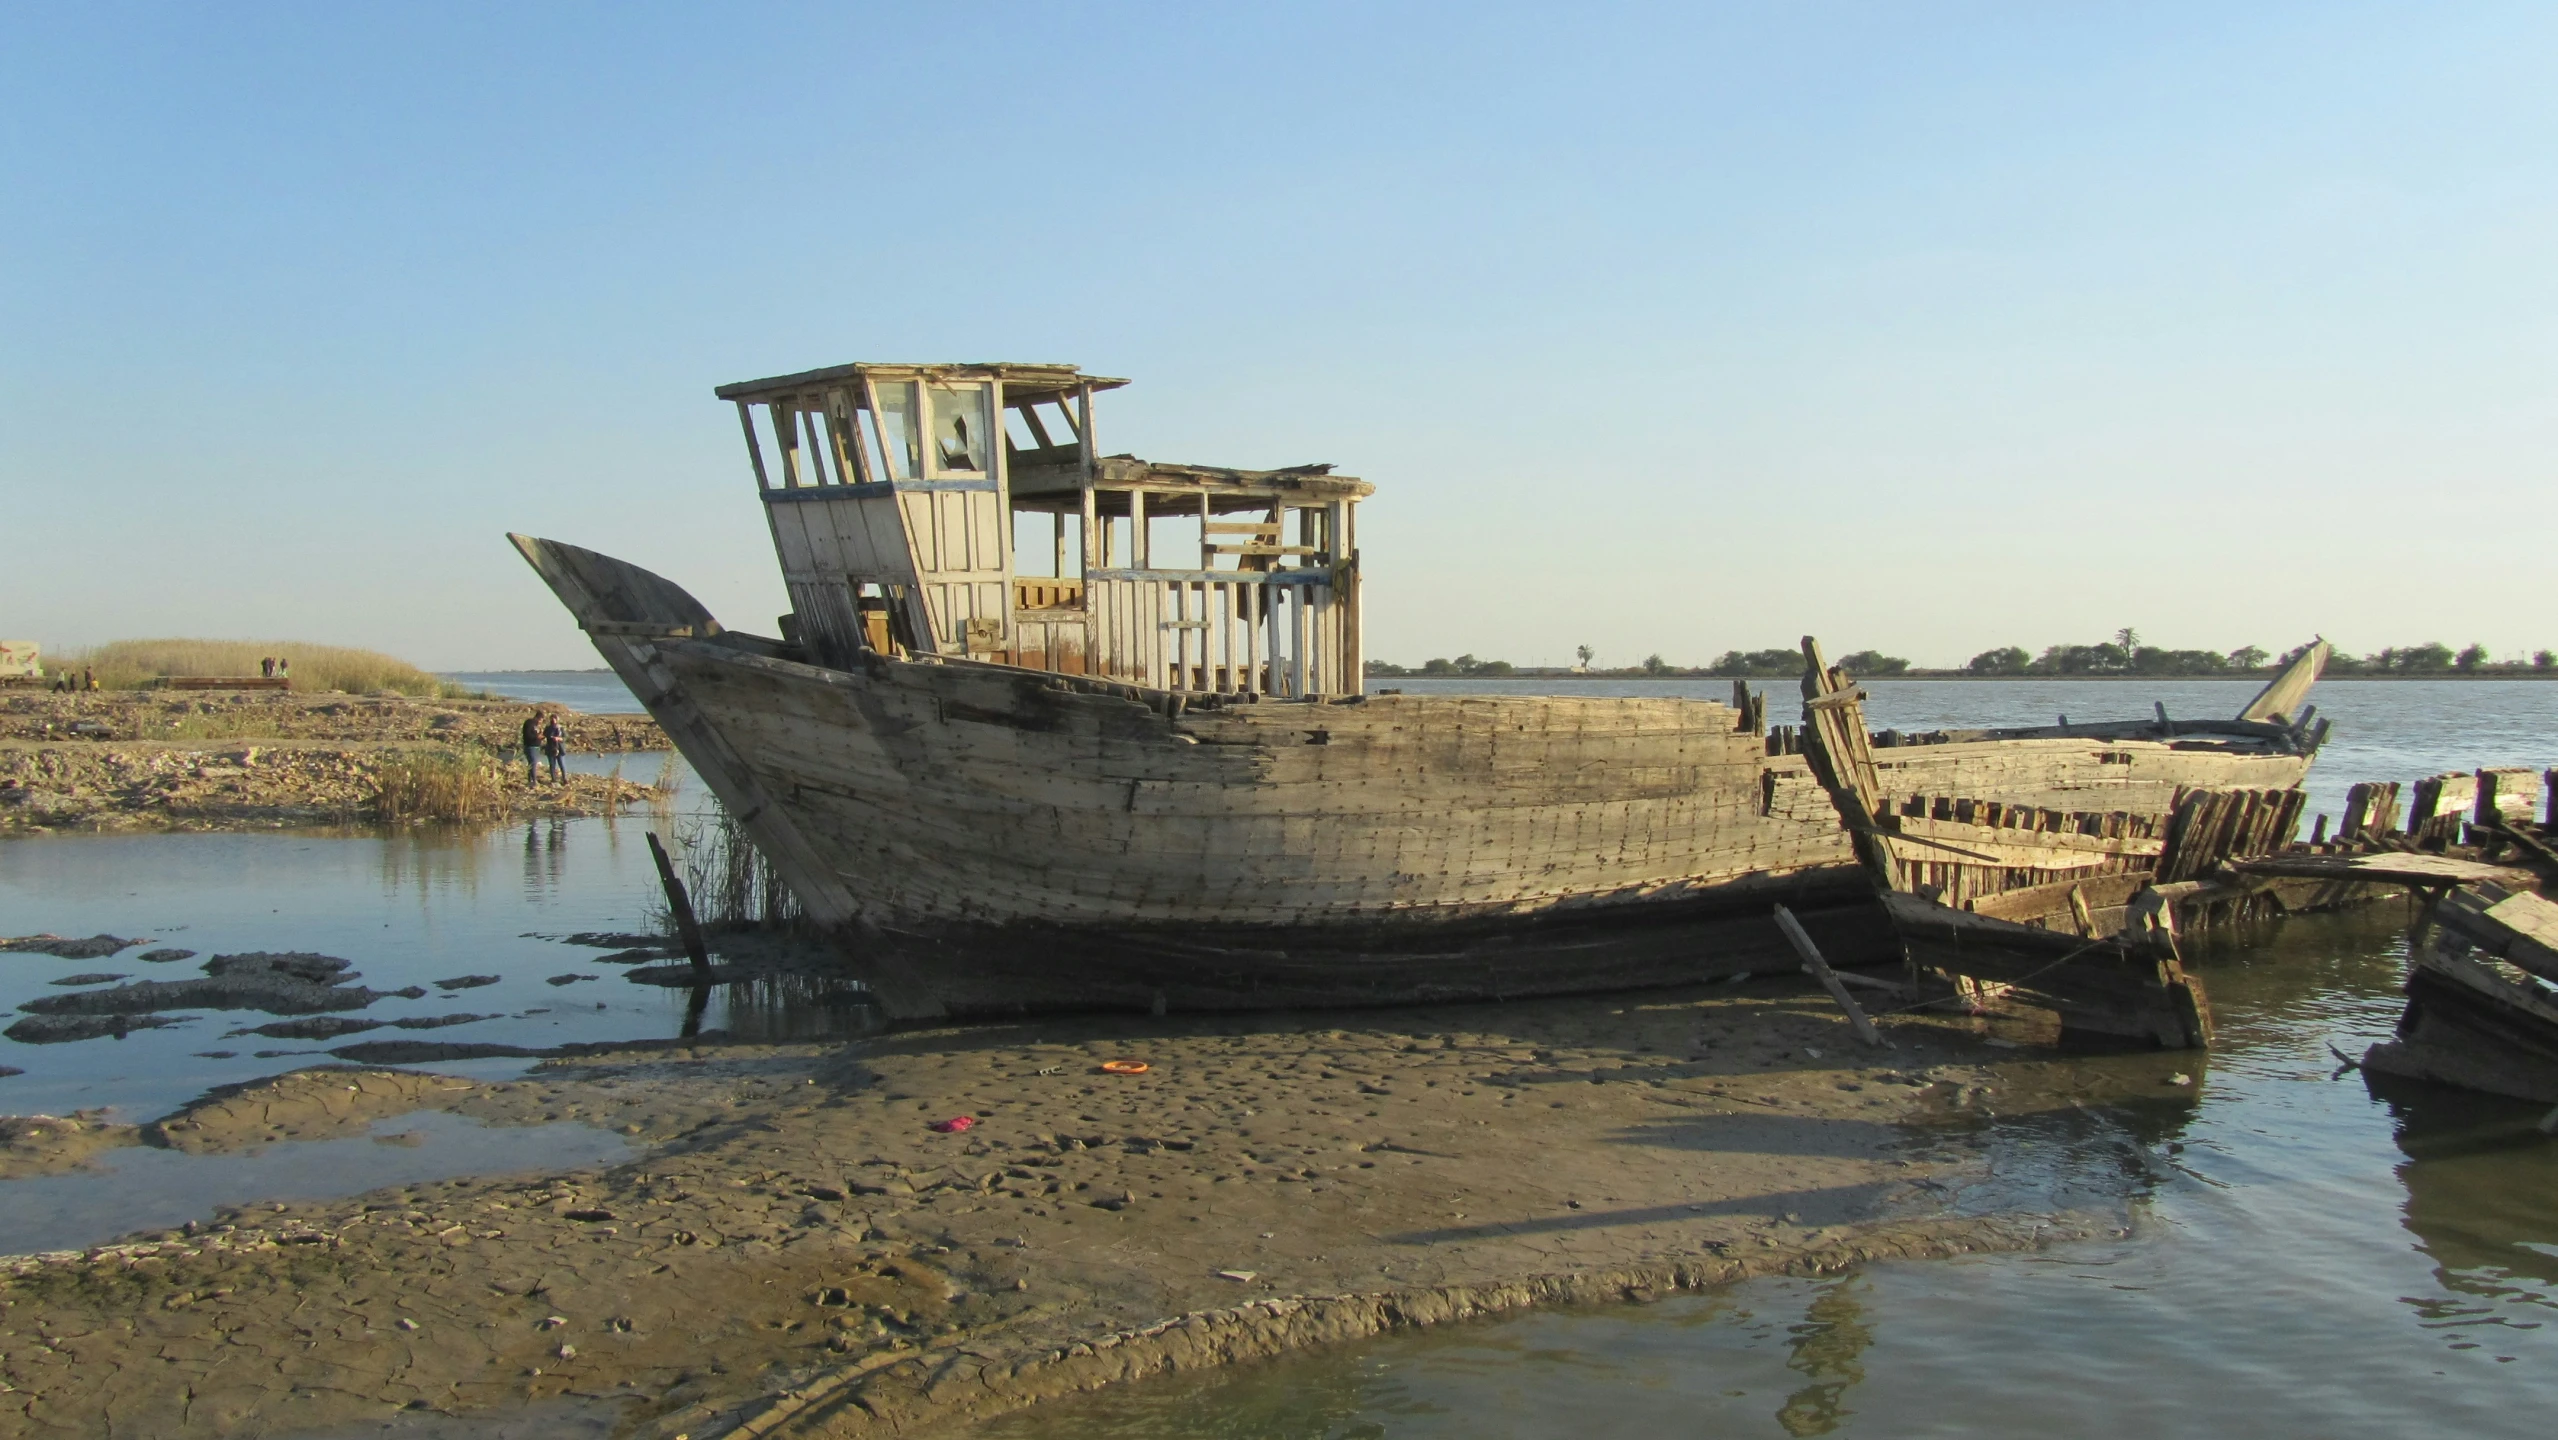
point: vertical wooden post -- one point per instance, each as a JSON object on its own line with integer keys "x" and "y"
{"x": 682, "y": 906}
{"x": 754, "y": 450}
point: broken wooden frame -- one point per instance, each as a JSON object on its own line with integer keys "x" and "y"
{"x": 2006, "y": 899}
{"x": 895, "y": 492}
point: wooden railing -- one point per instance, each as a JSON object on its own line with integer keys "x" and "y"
{"x": 1041, "y": 593}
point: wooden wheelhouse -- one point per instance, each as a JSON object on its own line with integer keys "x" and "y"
{"x": 964, "y": 512}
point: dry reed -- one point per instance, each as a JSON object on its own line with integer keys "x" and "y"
{"x": 130, "y": 664}
{"x": 731, "y": 884}
{"x": 433, "y": 786}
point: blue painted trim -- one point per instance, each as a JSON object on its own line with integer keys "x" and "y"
{"x": 877, "y": 488}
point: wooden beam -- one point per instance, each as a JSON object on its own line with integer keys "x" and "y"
{"x": 1819, "y": 969}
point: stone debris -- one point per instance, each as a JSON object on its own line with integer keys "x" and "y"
{"x": 96, "y": 947}
{"x": 127, "y": 761}
{"x": 279, "y": 984}
{"x": 56, "y": 1029}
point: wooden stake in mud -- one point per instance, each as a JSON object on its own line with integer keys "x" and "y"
{"x": 682, "y": 905}
{"x": 1821, "y": 971}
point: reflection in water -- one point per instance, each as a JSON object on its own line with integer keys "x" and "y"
{"x": 545, "y": 855}
{"x": 2479, "y": 1175}
{"x": 796, "y": 1007}
{"x": 1826, "y": 1347}
{"x": 431, "y": 858}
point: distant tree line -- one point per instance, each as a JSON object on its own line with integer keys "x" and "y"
{"x": 1462, "y": 665}
{"x": 2124, "y": 654}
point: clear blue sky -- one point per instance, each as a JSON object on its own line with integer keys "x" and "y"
{"x": 1923, "y": 327}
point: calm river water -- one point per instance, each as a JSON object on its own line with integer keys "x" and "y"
{"x": 2305, "y": 1256}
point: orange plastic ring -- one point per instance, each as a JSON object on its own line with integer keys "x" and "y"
{"x": 1125, "y": 1067}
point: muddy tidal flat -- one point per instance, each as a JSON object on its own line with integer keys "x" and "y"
{"x": 808, "y": 1244}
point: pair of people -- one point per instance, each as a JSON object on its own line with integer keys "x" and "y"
{"x": 275, "y": 667}
{"x": 543, "y": 738}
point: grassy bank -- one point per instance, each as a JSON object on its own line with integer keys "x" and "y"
{"x": 131, "y": 664}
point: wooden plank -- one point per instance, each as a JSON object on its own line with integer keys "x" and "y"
{"x": 1819, "y": 969}
{"x": 680, "y": 905}
{"x": 754, "y": 450}
{"x": 2386, "y": 868}
{"x": 2510, "y": 793}
{"x": 2521, "y": 928}
{"x": 1996, "y": 837}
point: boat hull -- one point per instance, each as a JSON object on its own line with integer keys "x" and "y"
{"x": 989, "y": 839}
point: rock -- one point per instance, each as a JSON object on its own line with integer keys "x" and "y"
{"x": 318, "y": 1027}
{"x": 569, "y": 979}
{"x": 55, "y": 1029}
{"x": 8, "y": 1070}
{"x": 438, "y": 1022}
{"x": 276, "y": 984}
{"x": 87, "y": 978}
{"x": 96, "y": 947}
{"x": 301, "y": 964}
{"x": 466, "y": 982}
{"x": 163, "y": 957}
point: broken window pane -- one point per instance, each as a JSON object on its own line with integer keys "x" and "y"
{"x": 960, "y": 426}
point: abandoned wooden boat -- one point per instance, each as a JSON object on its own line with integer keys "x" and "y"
{"x": 1053, "y": 728}
{"x": 2482, "y": 1011}
{"x": 2065, "y": 904}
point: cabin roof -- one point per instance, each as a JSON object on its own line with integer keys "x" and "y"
{"x": 1023, "y": 383}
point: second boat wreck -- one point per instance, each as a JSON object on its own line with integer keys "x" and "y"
{"x": 1048, "y": 728}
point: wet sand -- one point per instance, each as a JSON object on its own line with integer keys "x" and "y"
{"x": 799, "y": 1252}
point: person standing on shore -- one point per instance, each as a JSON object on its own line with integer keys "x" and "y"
{"x": 555, "y": 744}
{"x": 532, "y": 737}
{"x": 266, "y": 667}
{"x": 283, "y": 668}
